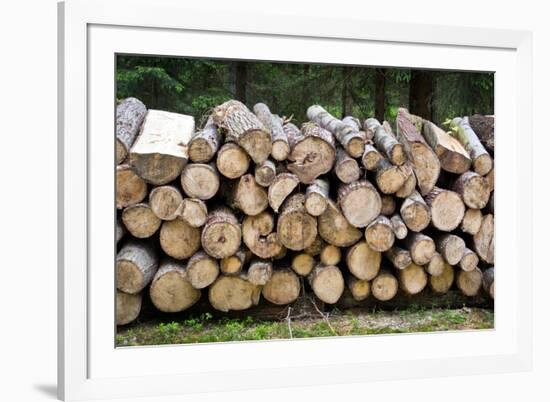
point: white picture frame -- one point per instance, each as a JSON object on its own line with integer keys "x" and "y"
{"x": 91, "y": 33}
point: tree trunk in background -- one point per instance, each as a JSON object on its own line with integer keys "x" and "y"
{"x": 421, "y": 88}
{"x": 347, "y": 99}
{"x": 241, "y": 77}
{"x": 380, "y": 94}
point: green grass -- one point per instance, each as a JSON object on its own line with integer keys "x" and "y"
{"x": 205, "y": 328}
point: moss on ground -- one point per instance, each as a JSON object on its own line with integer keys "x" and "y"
{"x": 206, "y": 328}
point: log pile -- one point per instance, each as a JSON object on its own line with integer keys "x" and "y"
{"x": 254, "y": 208}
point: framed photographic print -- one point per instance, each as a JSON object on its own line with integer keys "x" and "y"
{"x": 251, "y": 205}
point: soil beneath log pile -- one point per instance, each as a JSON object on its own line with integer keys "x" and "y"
{"x": 289, "y": 324}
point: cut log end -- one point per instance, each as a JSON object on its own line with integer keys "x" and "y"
{"x": 379, "y": 234}
{"x": 469, "y": 282}
{"x": 128, "y": 307}
{"x": 360, "y": 289}
{"x": 412, "y": 279}
{"x": 446, "y": 208}
{"x": 140, "y": 221}
{"x": 232, "y": 293}
{"x": 363, "y": 262}
{"x": 283, "y": 287}
{"x": 171, "y": 291}
{"x": 327, "y": 283}
{"x": 178, "y": 239}
{"x": 303, "y": 264}
{"x": 200, "y": 181}
{"x": 130, "y": 188}
{"x": 441, "y": 283}
{"x": 232, "y": 161}
{"x": 221, "y": 235}
{"x": 360, "y": 202}
{"x": 384, "y": 287}
{"x": 194, "y": 212}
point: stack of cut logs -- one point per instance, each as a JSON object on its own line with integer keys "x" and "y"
{"x": 254, "y": 207}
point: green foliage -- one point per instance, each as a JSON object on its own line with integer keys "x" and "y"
{"x": 206, "y": 328}
{"x": 195, "y": 86}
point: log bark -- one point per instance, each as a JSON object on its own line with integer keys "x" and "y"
{"x": 202, "y": 270}
{"x": 200, "y": 180}
{"x": 390, "y": 178}
{"x": 484, "y": 240}
{"x": 399, "y": 257}
{"x": 120, "y": 230}
{"x": 387, "y": 142}
{"x": 412, "y": 279}
{"x": 469, "y": 260}
{"x": 283, "y": 287}
{"x": 129, "y": 117}
{"x": 205, "y": 143}
{"x": 462, "y": 131}
{"x": 421, "y": 247}
{"x": 316, "y": 197}
{"x": 415, "y": 212}
{"x": 484, "y": 127}
{"x": 243, "y": 127}
{"x": 140, "y": 221}
{"x": 161, "y": 150}
{"x": 170, "y": 290}
{"x": 259, "y": 237}
{"x": 232, "y": 293}
{"x": 360, "y": 289}
{"x": 388, "y": 205}
{"x": 474, "y": 189}
{"x": 280, "y": 147}
{"x": 247, "y": 195}
{"x": 379, "y": 234}
{"x": 130, "y": 188}
{"x": 424, "y": 160}
{"x": 303, "y": 264}
{"x": 330, "y": 255}
{"x": 452, "y": 155}
{"x": 166, "y": 202}
{"x": 194, "y": 212}
{"x": 259, "y": 272}
{"x": 346, "y": 168}
{"x": 362, "y": 261}
{"x": 346, "y": 134}
{"x": 265, "y": 173}
{"x": 178, "y": 239}
{"x": 399, "y": 228}
{"x": 471, "y": 221}
{"x": 410, "y": 182}
{"x": 490, "y": 177}
{"x": 128, "y": 307}
{"x": 469, "y": 282}
{"x": 136, "y": 264}
{"x": 221, "y": 235}
{"x": 371, "y": 157}
{"x": 327, "y": 283}
{"x": 446, "y": 208}
{"x": 451, "y": 247}
{"x": 296, "y": 229}
{"x": 234, "y": 264}
{"x": 312, "y": 151}
{"x": 281, "y": 187}
{"x": 436, "y": 266}
{"x": 384, "y": 287}
{"x": 360, "y": 202}
{"x": 335, "y": 229}
{"x": 488, "y": 281}
{"x": 441, "y": 284}
{"x": 232, "y": 161}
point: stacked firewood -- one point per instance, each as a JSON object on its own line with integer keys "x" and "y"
{"x": 254, "y": 207}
